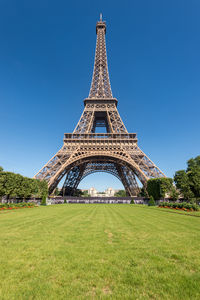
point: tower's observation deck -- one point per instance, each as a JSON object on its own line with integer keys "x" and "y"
{"x": 101, "y": 25}
{"x": 101, "y": 138}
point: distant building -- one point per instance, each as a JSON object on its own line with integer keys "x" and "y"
{"x": 92, "y": 192}
{"x": 109, "y": 192}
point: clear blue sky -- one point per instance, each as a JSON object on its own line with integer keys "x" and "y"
{"x": 46, "y": 62}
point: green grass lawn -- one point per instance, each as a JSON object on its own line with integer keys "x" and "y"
{"x": 99, "y": 252}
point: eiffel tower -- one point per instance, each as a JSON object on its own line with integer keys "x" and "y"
{"x": 85, "y": 152}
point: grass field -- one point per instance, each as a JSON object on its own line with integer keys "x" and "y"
{"x": 99, "y": 252}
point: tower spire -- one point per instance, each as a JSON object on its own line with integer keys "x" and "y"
{"x": 100, "y": 86}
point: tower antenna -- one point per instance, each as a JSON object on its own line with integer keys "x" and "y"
{"x": 100, "y": 17}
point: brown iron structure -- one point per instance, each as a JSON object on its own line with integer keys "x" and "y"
{"x": 85, "y": 152}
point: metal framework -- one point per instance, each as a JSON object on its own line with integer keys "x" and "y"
{"x": 85, "y": 152}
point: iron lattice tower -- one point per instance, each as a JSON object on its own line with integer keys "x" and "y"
{"x": 85, "y": 152}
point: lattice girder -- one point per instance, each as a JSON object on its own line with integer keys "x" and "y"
{"x": 108, "y": 111}
{"x": 122, "y": 172}
{"x": 84, "y": 170}
{"x": 100, "y": 86}
{"x": 72, "y": 180}
{"x": 128, "y": 179}
{"x": 53, "y": 165}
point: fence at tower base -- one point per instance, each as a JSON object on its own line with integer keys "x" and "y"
{"x": 96, "y": 200}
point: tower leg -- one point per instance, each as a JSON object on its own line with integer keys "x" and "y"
{"x": 72, "y": 180}
{"x": 128, "y": 179}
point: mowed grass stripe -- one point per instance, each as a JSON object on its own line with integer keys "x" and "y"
{"x": 98, "y": 251}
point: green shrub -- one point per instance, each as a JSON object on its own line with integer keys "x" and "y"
{"x": 121, "y": 193}
{"x": 16, "y": 205}
{"x": 180, "y": 205}
{"x": 43, "y": 202}
{"x": 151, "y": 201}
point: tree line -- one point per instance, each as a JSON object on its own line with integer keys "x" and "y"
{"x": 14, "y": 186}
{"x": 186, "y": 184}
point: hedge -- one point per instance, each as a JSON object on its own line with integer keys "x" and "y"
{"x": 9, "y": 206}
{"x": 181, "y": 205}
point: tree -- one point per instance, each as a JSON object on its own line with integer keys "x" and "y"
{"x": 26, "y": 187}
{"x": 151, "y": 201}
{"x": 193, "y": 173}
{"x": 17, "y": 181}
{"x": 44, "y": 198}
{"x": 193, "y": 163}
{"x": 1, "y": 169}
{"x": 85, "y": 194}
{"x": 143, "y": 193}
{"x": 43, "y": 189}
{"x": 159, "y": 187}
{"x": 17, "y": 186}
{"x": 153, "y": 188}
{"x": 78, "y": 193}
{"x": 181, "y": 180}
{"x": 174, "y": 194}
{"x": 2, "y": 184}
{"x": 120, "y": 193}
{"x": 10, "y": 185}
{"x": 166, "y": 185}
{"x": 188, "y": 181}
